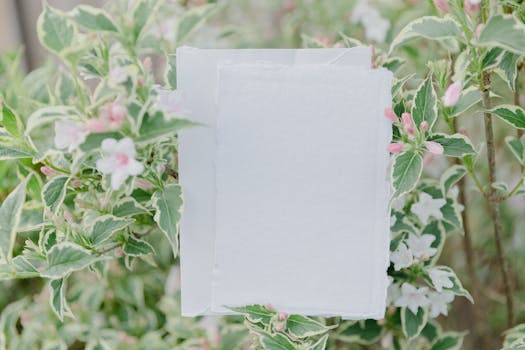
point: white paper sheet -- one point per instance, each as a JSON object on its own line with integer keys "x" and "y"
{"x": 302, "y": 198}
{"x": 197, "y": 79}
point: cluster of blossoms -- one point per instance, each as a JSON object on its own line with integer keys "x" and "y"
{"x": 119, "y": 156}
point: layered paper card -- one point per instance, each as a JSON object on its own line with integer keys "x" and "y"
{"x": 286, "y": 198}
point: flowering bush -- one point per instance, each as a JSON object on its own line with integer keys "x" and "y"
{"x": 90, "y": 192}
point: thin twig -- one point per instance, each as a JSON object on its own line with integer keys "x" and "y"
{"x": 492, "y": 198}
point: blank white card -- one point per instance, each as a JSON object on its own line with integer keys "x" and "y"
{"x": 286, "y": 197}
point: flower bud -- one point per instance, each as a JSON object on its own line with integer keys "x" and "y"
{"x": 434, "y": 147}
{"x": 391, "y": 115}
{"x": 395, "y": 147}
{"x": 471, "y": 6}
{"x": 282, "y": 316}
{"x": 279, "y": 326}
{"x": 479, "y": 28}
{"x": 442, "y": 5}
{"x": 408, "y": 123}
{"x": 423, "y": 126}
{"x": 47, "y": 171}
{"x": 452, "y": 94}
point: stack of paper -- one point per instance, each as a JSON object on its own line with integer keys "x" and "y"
{"x": 285, "y": 184}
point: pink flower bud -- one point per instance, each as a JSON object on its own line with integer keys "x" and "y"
{"x": 68, "y": 216}
{"x": 96, "y": 125}
{"x": 47, "y": 171}
{"x": 76, "y": 183}
{"x": 423, "y": 126}
{"x": 143, "y": 184}
{"x": 471, "y": 6}
{"x": 408, "y": 123}
{"x": 395, "y": 147}
{"x": 434, "y": 147}
{"x": 279, "y": 326}
{"x": 389, "y": 113}
{"x": 427, "y": 159}
{"x": 452, "y": 94}
{"x": 282, "y": 316}
{"x": 479, "y": 28}
{"x": 442, "y": 5}
{"x": 269, "y": 307}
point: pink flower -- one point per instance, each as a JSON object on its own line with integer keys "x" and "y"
{"x": 69, "y": 134}
{"x": 113, "y": 114}
{"x": 442, "y": 5}
{"x": 452, "y": 94}
{"x": 119, "y": 161}
{"x": 408, "y": 123}
{"x": 434, "y": 147}
{"x": 269, "y": 307}
{"x": 47, "y": 171}
{"x": 395, "y": 147}
{"x": 423, "y": 126}
{"x": 282, "y": 316}
{"x": 279, "y": 326}
{"x": 389, "y": 113}
{"x": 471, "y": 6}
{"x": 96, "y": 125}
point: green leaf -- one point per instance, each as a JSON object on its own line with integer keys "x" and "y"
{"x": 361, "y": 332}
{"x": 301, "y": 327}
{"x": 504, "y": 31}
{"x": 13, "y": 149}
{"x": 507, "y": 69}
{"x": 93, "y": 18}
{"x": 429, "y": 27}
{"x": 137, "y": 247}
{"x": 450, "y": 177}
{"x": 276, "y": 342}
{"x": 513, "y": 115}
{"x": 128, "y": 207}
{"x": 517, "y": 147}
{"x": 23, "y": 268}
{"x": 435, "y": 229}
{"x": 491, "y": 57}
{"x": 191, "y": 20}
{"x": 142, "y": 13}
{"x": 424, "y": 105}
{"x": 457, "y": 288}
{"x": 456, "y": 145}
{"x": 105, "y": 226}
{"x": 54, "y": 192}
{"x": 469, "y": 98}
{"x": 171, "y": 72}
{"x": 233, "y": 337}
{"x": 255, "y": 313}
{"x": 320, "y": 344}
{"x": 12, "y": 122}
{"x": 413, "y": 324}
{"x": 10, "y": 214}
{"x": 431, "y": 331}
{"x": 406, "y": 170}
{"x": 452, "y": 215}
{"x": 57, "y": 298}
{"x": 47, "y": 115}
{"x": 168, "y": 209}
{"x": 94, "y": 141}
{"x": 54, "y": 30}
{"x": 155, "y": 127}
{"x": 448, "y": 341}
{"x": 64, "y": 258}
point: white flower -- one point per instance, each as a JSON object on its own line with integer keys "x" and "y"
{"x": 421, "y": 245}
{"x": 399, "y": 203}
{"x": 439, "y": 302}
{"x": 376, "y": 27}
{"x": 118, "y": 75}
{"x": 170, "y": 102}
{"x": 413, "y": 298}
{"x": 393, "y": 293}
{"x": 119, "y": 161}
{"x": 427, "y": 207}
{"x": 393, "y": 220}
{"x": 440, "y": 278}
{"x": 69, "y": 134}
{"x": 402, "y": 257}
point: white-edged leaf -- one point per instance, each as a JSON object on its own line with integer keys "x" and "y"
{"x": 504, "y": 31}
{"x": 12, "y": 122}
{"x": 364, "y": 332}
{"x": 155, "y": 127}
{"x": 55, "y": 31}
{"x": 168, "y": 209}
{"x": 48, "y": 115}
{"x": 64, "y": 258}
{"x": 275, "y": 342}
{"x": 93, "y": 18}
{"x": 11, "y": 148}
{"x": 105, "y": 226}
{"x": 424, "y": 104}
{"x": 54, "y": 192}
{"x": 191, "y": 20}
{"x": 128, "y": 207}
{"x": 507, "y": 69}
{"x": 301, "y": 326}
{"x": 450, "y": 177}
{"x": 170, "y": 75}
{"x": 10, "y": 214}
{"x": 513, "y": 115}
{"x": 411, "y": 324}
{"x": 448, "y": 341}
{"x": 406, "y": 170}
{"x": 469, "y": 98}
{"x": 255, "y": 313}
{"x": 429, "y": 27}
{"x": 320, "y": 344}
{"x": 57, "y": 298}
{"x": 517, "y": 147}
{"x": 457, "y": 287}
{"x": 137, "y": 247}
